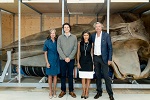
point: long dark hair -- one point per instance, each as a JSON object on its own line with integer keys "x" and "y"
{"x": 49, "y": 36}
{"x": 66, "y": 24}
{"x": 82, "y": 36}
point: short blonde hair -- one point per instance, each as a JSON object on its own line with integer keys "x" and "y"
{"x": 52, "y": 30}
{"x": 97, "y": 23}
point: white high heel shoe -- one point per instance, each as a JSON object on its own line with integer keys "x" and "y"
{"x": 55, "y": 96}
{"x": 50, "y": 97}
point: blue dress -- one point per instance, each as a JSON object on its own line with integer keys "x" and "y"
{"x": 53, "y": 57}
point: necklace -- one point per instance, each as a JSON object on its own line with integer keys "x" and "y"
{"x": 85, "y": 48}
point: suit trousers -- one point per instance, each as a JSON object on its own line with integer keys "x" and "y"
{"x": 102, "y": 69}
{"x": 67, "y": 72}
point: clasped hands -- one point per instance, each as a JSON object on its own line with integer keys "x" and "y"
{"x": 67, "y": 59}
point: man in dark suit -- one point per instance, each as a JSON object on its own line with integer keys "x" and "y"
{"x": 102, "y": 59}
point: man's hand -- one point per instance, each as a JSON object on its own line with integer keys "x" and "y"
{"x": 109, "y": 62}
{"x": 67, "y": 60}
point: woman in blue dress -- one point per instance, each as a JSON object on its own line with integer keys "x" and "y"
{"x": 52, "y": 61}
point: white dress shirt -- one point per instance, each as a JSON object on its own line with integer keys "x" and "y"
{"x": 97, "y": 45}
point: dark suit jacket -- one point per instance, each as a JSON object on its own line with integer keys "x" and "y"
{"x": 106, "y": 46}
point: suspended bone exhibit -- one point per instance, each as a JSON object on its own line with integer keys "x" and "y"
{"x": 129, "y": 38}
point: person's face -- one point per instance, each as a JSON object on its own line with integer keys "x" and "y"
{"x": 66, "y": 28}
{"x": 52, "y": 34}
{"x": 86, "y": 36}
{"x": 98, "y": 27}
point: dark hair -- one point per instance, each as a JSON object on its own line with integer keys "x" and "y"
{"x": 66, "y": 24}
{"x": 49, "y": 37}
{"x": 82, "y": 37}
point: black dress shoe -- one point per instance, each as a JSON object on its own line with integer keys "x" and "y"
{"x": 98, "y": 95}
{"x": 82, "y": 96}
{"x": 86, "y": 97}
{"x": 111, "y": 98}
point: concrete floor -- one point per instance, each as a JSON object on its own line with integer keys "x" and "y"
{"x": 42, "y": 94}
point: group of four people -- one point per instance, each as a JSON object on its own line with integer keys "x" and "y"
{"x": 94, "y": 53}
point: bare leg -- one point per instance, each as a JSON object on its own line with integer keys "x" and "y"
{"x": 55, "y": 84}
{"x": 83, "y": 86}
{"x": 88, "y": 81}
{"x": 50, "y": 85}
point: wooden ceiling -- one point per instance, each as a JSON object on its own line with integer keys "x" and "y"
{"x": 76, "y": 8}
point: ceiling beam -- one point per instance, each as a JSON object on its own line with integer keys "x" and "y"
{"x": 145, "y": 11}
{"x": 31, "y": 7}
{"x": 7, "y": 11}
{"x": 66, "y": 7}
{"x": 104, "y": 4}
{"x": 137, "y": 7}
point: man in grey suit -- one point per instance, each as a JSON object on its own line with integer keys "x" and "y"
{"x": 102, "y": 58}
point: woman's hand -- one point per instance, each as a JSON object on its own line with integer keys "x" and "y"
{"x": 93, "y": 67}
{"x": 47, "y": 65}
{"x": 78, "y": 66}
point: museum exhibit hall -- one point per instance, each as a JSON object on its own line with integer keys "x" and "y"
{"x": 25, "y": 25}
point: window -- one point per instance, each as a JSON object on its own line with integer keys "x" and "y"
{"x": 41, "y": 1}
{"x": 6, "y": 1}
{"x": 129, "y": 0}
{"x": 85, "y": 1}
